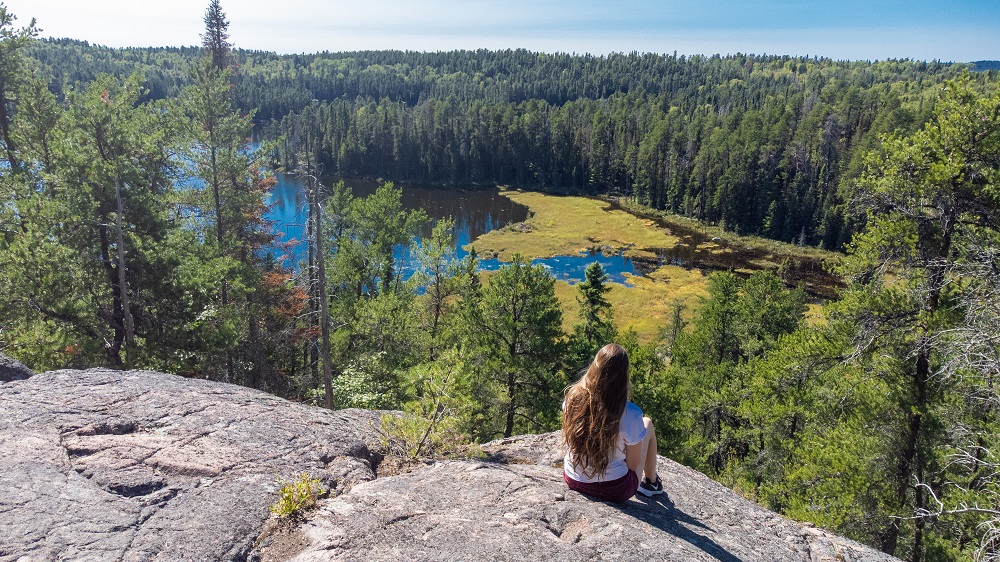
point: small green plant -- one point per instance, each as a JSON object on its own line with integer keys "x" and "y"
{"x": 409, "y": 436}
{"x": 432, "y": 426}
{"x": 297, "y": 496}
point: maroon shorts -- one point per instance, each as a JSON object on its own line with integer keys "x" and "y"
{"x": 613, "y": 490}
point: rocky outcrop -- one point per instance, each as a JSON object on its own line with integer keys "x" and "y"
{"x": 13, "y": 370}
{"x": 108, "y": 465}
{"x": 522, "y": 510}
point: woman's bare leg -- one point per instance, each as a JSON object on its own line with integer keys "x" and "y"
{"x": 648, "y": 458}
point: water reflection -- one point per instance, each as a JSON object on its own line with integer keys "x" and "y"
{"x": 571, "y": 268}
{"x": 475, "y": 211}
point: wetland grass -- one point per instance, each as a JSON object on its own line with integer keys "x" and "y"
{"x": 570, "y": 225}
{"x": 648, "y": 305}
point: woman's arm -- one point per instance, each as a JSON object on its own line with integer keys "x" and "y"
{"x": 633, "y": 456}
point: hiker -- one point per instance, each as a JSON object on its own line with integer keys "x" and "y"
{"x": 608, "y": 440}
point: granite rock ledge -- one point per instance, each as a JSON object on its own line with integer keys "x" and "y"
{"x": 13, "y": 370}
{"x": 139, "y": 465}
{"x": 518, "y": 508}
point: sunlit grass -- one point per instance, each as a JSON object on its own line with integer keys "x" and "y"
{"x": 646, "y": 307}
{"x": 815, "y": 315}
{"x": 567, "y": 225}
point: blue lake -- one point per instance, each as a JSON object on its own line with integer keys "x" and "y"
{"x": 475, "y": 211}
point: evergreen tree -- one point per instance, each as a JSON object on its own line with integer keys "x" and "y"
{"x": 96, "y": 235}
{"x": 881, "y": 423}
{"x": 371, "y": 306}
{"x": 596, "y": 327}
{"x": 514, "y": 324}
{"x": 926, "y": 194}
{"x": 13, "y": 76}
{"x": 595, "y": 310}
{"x": 215, "y": 40}
{"x": 232, "y": 207}
{"x": 740, "y": 321}
{"x": 441, "y": 275}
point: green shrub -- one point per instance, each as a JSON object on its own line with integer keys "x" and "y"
{"x": 297, "y": 496}
{"x": 410, "y": 436}
{"x": 436, "y": 423}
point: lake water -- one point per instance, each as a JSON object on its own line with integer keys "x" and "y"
{"x": 476, "y": 211}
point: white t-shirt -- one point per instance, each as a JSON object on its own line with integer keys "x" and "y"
{"x": 631, "y": 430}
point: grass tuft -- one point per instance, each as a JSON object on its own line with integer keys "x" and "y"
{"x": 296, "y": 497}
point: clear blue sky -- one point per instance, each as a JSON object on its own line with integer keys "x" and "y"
{"x": 949, "y": 30}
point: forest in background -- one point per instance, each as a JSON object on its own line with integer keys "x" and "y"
{"x": 879, "y": 423}
{"x": 762, "y": 145}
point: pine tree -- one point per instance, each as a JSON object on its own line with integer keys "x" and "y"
{"x": 881, "y": 422}
{"x": 215, "y": 40}
{"x": 740, "y": 321}
{"x": 13, "y": 76}
{"x": 232, "y": 200}
{"x": 515, "y": 324}
{"x": 95, "y": 234}
{"x": 595, "y": 310}
{"x": 596, "y": 327}
{"x": 926, "y": 195}
{"x": 441, "y": 275}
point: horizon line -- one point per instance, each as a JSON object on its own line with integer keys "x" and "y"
{"x": 674, "y": 53}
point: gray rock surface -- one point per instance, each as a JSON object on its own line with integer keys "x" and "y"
{"x": 523, "y": 511}
{"x": 13, "y": 370}
{"x": 109, "y": 465}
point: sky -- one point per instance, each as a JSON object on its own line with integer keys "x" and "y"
{"x": 946, "y": 30}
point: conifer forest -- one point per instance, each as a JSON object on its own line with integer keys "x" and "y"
{"x": 135, "y": 234}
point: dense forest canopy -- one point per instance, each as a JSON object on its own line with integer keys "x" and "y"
{"x": 879, "y": 419}
{"x": 765, "y": 145}
{"x": 985, "y": 65}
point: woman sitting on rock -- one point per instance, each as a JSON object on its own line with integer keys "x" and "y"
{"x": 606, "y": 436}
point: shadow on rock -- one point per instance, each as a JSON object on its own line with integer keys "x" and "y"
{"x": 13, "y": 370}
{"x": 660, "y": 512}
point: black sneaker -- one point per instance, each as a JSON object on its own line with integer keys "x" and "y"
{"x": 648, "y": 488}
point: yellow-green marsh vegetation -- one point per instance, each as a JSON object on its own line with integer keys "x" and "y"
{"x": 566, "y": 225}
{"x": 569, "y": 225}
{"x": 645, "y": 307}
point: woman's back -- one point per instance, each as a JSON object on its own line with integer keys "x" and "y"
{"x": 630, "y": 431}
{"x": 606, "y": 435}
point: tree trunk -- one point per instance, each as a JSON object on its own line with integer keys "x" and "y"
{"x": 113, "y": 348}
{"x": 122, "y": 282}
{"x": 5, "y": 126}
{"x": 312, "y": 357}
{"x": 324, "y": 305}
{"x": 911, "y": 461}
{"x": 220, "y": 237}
{"x": 511, "y": 407}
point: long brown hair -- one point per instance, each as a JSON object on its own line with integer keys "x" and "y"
{"x": 594, "y": 408}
